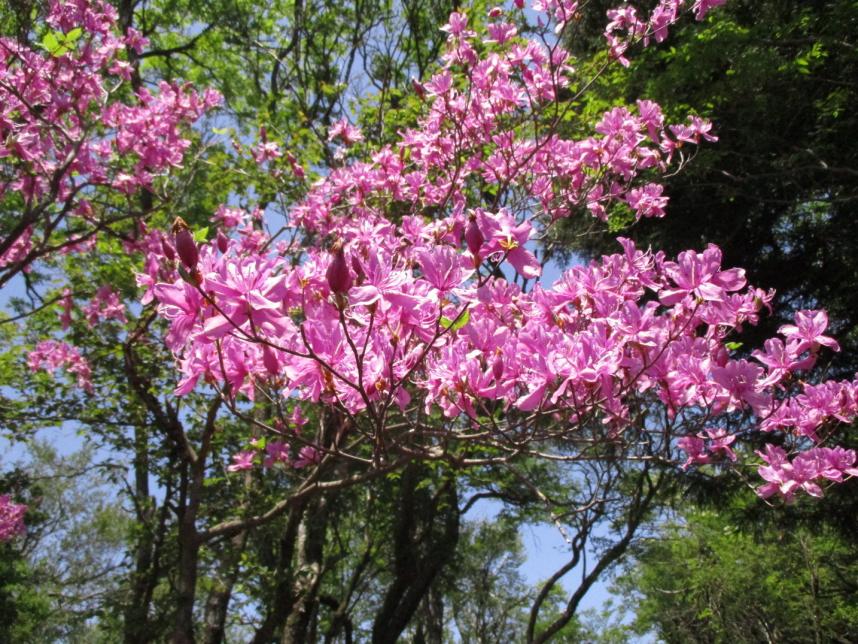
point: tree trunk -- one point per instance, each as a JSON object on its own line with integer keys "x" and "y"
{"x": 136, "y": 626}
{"x": 189, "y": 550}
{"x": 281, "y": 597}
{"x": 217, "y": 604}
{"x": 425, "y": 539}
{"x": 307, "y": 576}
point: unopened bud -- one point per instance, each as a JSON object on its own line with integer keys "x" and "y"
{"x": 418, "y": 88}
{"x": 168, "y": 250}
{"x": 474, "y": 238}
{"x": 269, "y": 360}
{"x": 497, "y": 368}
{"x": 338, "y": 275}
{"x": 222, "y": 242}
{"x": 186, "y": 247}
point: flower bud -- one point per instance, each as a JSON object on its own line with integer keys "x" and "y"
{"x": 186, "y": 247}
{"x": 338, "y": 275}
{"x": 167, "y": 249}
{"x": 497, "y": 368}
{"x": 222, "y": 242}
{"x": 269, "y": 360}
{"x": 474, "y": 238}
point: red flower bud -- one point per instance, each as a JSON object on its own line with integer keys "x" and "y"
{"x": 222, "y": 242}
{"x": 474, "y": 238}
{"x": 186, "y": 247}
{"x": 269, "y": 360}
{"x": 497, "y": 368}
{"x": 338, "y": 275}
{"x": 168, "y": 250}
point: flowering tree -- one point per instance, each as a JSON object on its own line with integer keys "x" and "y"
{"x": 398, "y": 320}
{"x": 402, "y": 314}
{"x": 74, "y": 139}
{"x": 68, "y": 134}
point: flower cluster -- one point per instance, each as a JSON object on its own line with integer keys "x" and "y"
{"x": 11, "y": 518}
{"x": 804, "y": 472}
{"x": 626, "y": 27}
{"x": 105, "y": 305}
{"x": 403, "y": 314}
{"x": 50, "y": 355}
{"x": 64, "y": 132}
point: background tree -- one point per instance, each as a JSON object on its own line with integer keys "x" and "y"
{"x": 779, "y": 189}
{"x": 707, "y": 579}
{"x": 59, "y": 582}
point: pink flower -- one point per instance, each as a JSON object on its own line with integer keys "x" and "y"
{"x": 50, "y": 355}
{"x": 444, "y": 268}
{"x": 700, "y": 274}
{"x": 719, "y": 443}
{"x": 275, "y": 452}
{"x": 19, "y": 250}
{"x": 648, "y": 200}
{"x": 105, "y": 305}
{"x": 781, "y": 360}
{"x": 66, "y": 304}
{"x": 457, "y": 26}
{"x": 786, "y": 478}
{"x": 307, "y": 455}
{"x": 11, "y": 518}
{"x": 242, "y": 461}
{"x": 231, "y": 217}
{"x": 500, "y": 32}
{"x": 807, "y": 331}
{"x": 702, "y": 7}
{"x": 265, "y": 151}
{"x": 345, "y": 132}
{"x": 135, "y": 40}
{"x": 506, "y": 238}
{"x": 695, "y": 447}
{"x": 249, "y": 296}
{"x": 180, "y": 303}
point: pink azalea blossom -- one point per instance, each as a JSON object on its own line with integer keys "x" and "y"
{"x": 11, "y": 518}
{"x": 807, "y": 331}
{"x": 242, "y": 461}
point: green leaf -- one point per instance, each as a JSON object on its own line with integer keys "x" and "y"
{"x": 201, "y": 235}
{"x": 458, "y": 323}
{"x": 56, "y": 43}
{"x": 733, "y": 346}
{"x": 50, "y": 42}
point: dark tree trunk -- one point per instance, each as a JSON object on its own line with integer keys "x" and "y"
{"x": 136, "y": 627}
{"x": 307, "y": 576}
{"x": 426, "y": 534}
{"x": 281, "y": 596}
